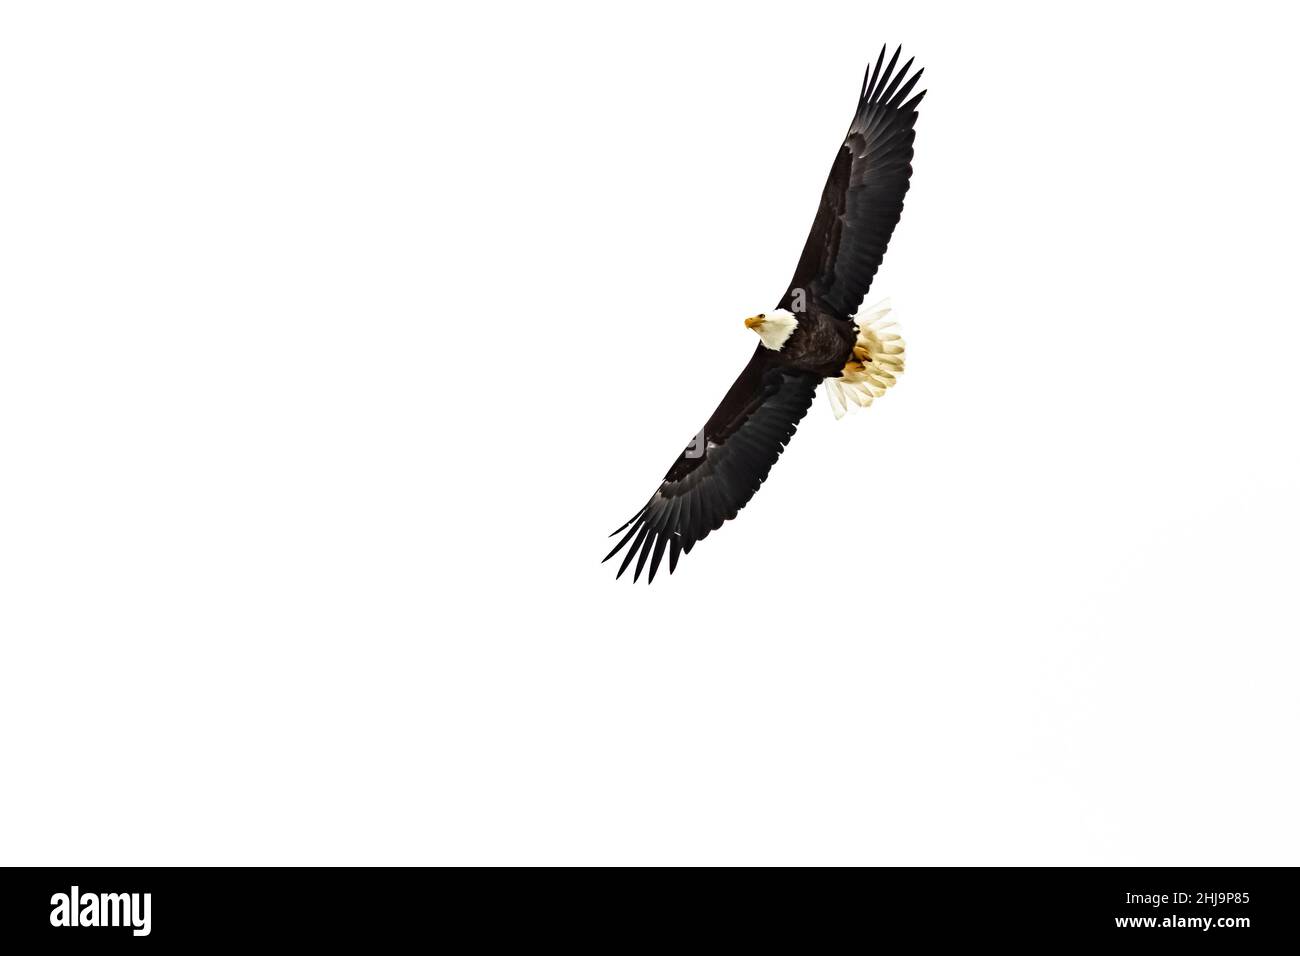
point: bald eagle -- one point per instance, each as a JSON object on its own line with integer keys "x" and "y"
{"x": 816, "y": 334}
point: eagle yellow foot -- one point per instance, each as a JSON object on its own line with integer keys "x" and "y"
{"x": 876, "y": 364}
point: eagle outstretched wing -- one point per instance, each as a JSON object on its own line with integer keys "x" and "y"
{"x": 863, "y": 198}
{"x": 718, "y": 473}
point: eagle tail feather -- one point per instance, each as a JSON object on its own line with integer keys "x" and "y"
{"x": 878, "y": 359}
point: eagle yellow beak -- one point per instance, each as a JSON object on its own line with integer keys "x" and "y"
{"x": 754, "y": 321}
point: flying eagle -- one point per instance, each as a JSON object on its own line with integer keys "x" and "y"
{"x": 814, "y": 334}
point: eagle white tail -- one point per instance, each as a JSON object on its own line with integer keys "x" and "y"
{"x": 876, "y": 364}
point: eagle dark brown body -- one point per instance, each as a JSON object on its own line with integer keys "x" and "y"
{"x": 821, "y": 345}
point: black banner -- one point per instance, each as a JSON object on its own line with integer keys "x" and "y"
{"x": 135, "y": 908}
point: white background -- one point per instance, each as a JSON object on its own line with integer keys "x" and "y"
{"x": 335, "y": 338}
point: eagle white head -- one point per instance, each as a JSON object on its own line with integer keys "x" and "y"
{"x": 774, "y": 327}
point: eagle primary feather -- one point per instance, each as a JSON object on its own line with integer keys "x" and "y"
{"x": 862, "y": 201}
